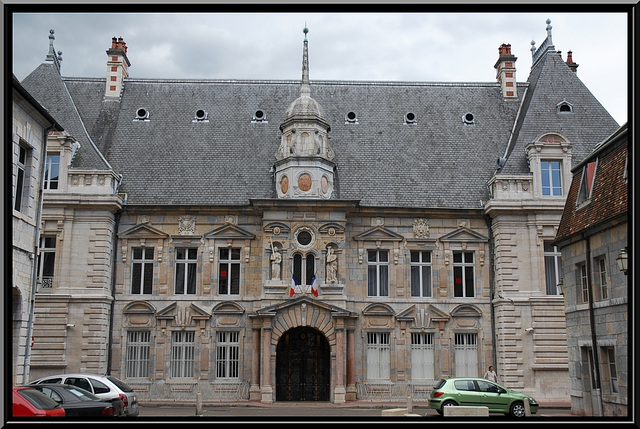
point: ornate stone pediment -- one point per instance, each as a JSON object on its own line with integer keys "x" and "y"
{"x": 182, "y": 315}
{"x": 142, "y": 230}
{"x": 379, "y": 233}
{"x": 230, "y": 232}
{"x": 464, "y": 235}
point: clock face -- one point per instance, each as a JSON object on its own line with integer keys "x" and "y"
{"x": 304, "y": 182}
{"x": 284, "y": 184}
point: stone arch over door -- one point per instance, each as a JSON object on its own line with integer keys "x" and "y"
{"x": 303, "y": 366}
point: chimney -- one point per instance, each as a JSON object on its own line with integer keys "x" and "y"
{"x": 573, "y": 66}
{"x": 117, "y": 68}
{"x": 506, "y": 72}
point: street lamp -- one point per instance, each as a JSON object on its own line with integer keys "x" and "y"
{"x": 622, "y": 261}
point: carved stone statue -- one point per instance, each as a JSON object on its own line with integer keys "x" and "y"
{"x": 276, "y": 259}
{"x": 332, "y": 266}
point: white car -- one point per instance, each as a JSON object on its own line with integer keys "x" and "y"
{"x": 103, "y": 386}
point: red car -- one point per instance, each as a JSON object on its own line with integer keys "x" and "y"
{"x": 28, "y": 402}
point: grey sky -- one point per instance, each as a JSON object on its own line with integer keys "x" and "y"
{"x": 431, "y": 47}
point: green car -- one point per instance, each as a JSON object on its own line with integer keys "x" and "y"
{"x": 479, "y": 392}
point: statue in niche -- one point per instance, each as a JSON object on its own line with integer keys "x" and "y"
{"x": 332, "y": 266}
{"x": 276, "y": 260}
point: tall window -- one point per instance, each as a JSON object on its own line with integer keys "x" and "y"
{"x": 142, "y": 270}
{"x": 420, "y": 274}
{"x": 186, "y": 264}
{"x": 581, "y": 281}
{"x": 227, "y": 355}
{"x": 229, "y": 271}
{"x": 422, "y": 356}
{"x": 182, "y": 353}
{"x": 551, "y": 178}
{"x": 609, "y": 356}
{"x": 601, "y": 267}
{"x": 51, "y": 172}
{"x": 378, "y": 273}
{"x": 304, "y": 268}
{"x": 591, "y": 368}
{"x": 22, "y": 183}
{"x": 46, "y": 261}
{"x": 463, "y": 274}
{"x": 138, "y": 347}
{"x": 552, "y": 267}
{"x": 378, "y": 356}
{"x": 466, "y": 355}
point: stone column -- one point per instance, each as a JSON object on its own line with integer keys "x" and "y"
{"x": 351, "y": 374}
{"x": 254, "y": 389}
{"x": 266, "y": 390}
{"x": 339, "y": 390}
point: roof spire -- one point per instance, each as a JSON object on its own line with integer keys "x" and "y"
{"x": 51, "y": 56}
{"x": 305, "y": 88}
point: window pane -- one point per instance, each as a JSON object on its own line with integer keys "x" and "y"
{"x": 136, "y": 278}
{"x": 384, "y": 280}
{"x": 415, "y": 281}
{"x": 457, "y": 281}
{"x": 235, "y": 278}
{"x": 191, "y": 280}
{"x": 426, "y": 281}
{"x": 469, "y": 286}
{"x": 372, "y": 280}
{"x": 180, "y": 278}
{"x": 148, "y": 278}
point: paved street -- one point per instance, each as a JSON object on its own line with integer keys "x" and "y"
{"x": 305, "y": 411}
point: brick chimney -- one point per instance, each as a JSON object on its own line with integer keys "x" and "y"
{"x": 506, "y": 72}
{"x": 573, "y": 66}
{"x": 117, "y": 68}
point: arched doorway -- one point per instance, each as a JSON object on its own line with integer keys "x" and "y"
{"x": 303, "y": 367}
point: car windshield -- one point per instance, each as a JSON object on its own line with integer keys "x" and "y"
{"x": 82, "y": 394}
{"x": 121, "y": 385}
{"x": 38, "y": 399}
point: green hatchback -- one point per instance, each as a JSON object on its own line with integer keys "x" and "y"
{"x": 479, "y": 392}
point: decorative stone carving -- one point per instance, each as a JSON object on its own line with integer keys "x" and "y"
{"x": 420, "y": 228}
{"x": 332, "y": 266}
{"x": 186, "y": 225}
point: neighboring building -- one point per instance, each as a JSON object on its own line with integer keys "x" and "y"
{"x": 415, "y": 256}
{"x": 593, "y": 238}
{"x": 30, "y": 126}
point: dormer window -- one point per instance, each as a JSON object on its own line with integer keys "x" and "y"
{"x": 586, "y": 183}
{"x": 351, "y": 118}
{"x": 564, "y": 107}
{"x": 410, "y": 118}
{"x": 549, "y": 158}
{"x": 201, "y": 116}
{"x": 142, "y": 114}
{"x": 259, "y": 116}
{"x": 468, "y": 118}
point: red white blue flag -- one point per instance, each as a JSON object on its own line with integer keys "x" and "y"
{"x": 314, "y": 289}
{"x": 294, "y": 283}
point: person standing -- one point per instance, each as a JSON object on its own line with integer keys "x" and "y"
{"x": 491, "y": 375}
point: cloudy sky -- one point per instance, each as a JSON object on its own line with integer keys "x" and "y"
{"x": 429, "y": 47}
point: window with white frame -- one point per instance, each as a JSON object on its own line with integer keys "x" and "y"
{"x": 590, "y": 367}
{"x": 421, "y": 274}
{"x": 551, "y": 174}
{"x": 182, "y": 354}
{"x": 46, "y": 261}
{"x": 609, "y": 356}
{"x": 21, "y": 185}
{"x": 186, "y": 265}
{"x": 51, "y": 171}
{"x": 138, "y": 349}
{"x": 466, "y": 355}
{"x": 142, "y": 270}
{"x": 586, "y": 182}
{"x": 378, "y": 356}
{"x": 229, "y": 271}
{"x": 581, "y": 281}
{"x": 552, "y": 267}
{"x": 378, "y": 273}
{"x": 463, "y": 274}
{"x": 601, "y": 273}
{"x": 422, "y": 356}
{"x": 227, "y": 354}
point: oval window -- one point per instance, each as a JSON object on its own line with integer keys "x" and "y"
{"x": 304, "y": 237}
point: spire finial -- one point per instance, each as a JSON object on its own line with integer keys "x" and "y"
{"x": 305, "y": 88}
{"x": 549, "y": 27}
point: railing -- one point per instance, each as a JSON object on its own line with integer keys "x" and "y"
{"x": 396, "y": 392}
{"x": 45, "y": 284}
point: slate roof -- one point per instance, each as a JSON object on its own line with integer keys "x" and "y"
{"x": 440, "y": 162}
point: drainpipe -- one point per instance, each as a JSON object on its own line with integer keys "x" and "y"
{"x": 492, "y": 287}
{"x": 592, "y": 324}
{"x": 34, "y": 261}
{"x": 113, "y": 288}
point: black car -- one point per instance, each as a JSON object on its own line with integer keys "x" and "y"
{"x": 78, "y": 402}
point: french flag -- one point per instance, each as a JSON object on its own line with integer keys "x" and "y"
{"x": 294, "y": 283}
{"x": 314, "y": 289}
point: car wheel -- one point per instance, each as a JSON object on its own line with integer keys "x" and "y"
{"x": 517, "y": 409}
{"x": 449, "y": 403}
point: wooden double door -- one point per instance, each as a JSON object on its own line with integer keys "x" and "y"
{"x": 303, "y": 366}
